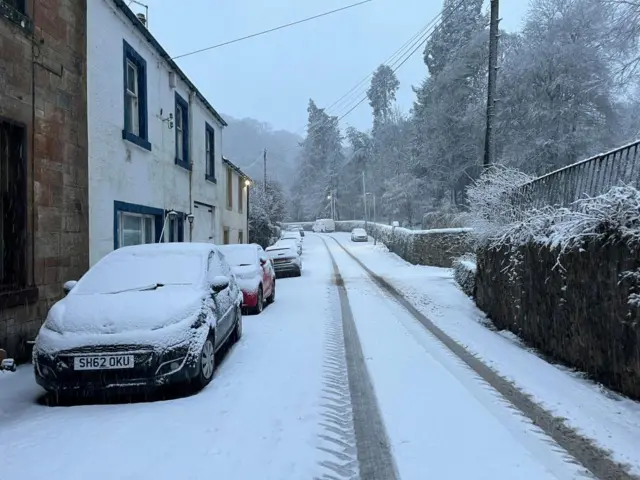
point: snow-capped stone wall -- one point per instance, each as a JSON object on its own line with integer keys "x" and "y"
{"x": 566, "y": 281}
{"x": 436, "y": 247}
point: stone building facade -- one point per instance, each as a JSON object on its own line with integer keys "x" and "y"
{"x": 44, "y": 234}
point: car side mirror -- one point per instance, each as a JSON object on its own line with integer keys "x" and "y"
{"x": 68, "y": 286}
{"x": 219, "y": 283}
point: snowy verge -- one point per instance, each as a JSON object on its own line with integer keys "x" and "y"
{"x": 610, "y": 420}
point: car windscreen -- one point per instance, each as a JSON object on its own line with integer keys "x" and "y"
{"x": 275, "y": 252}
{"x": 239, "y": 255}
{"x": 140, "y": 271}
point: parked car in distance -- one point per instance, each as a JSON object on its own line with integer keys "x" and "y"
{"x": 295, "y": 234}
{"x": 296, "y": 228}
{"x": 359, "y": 235}
{"x": 142, "y": 317}
{"x": 254, "y": 273}
{"x": 323, "y": 225}
{"x": 286, "y": 259}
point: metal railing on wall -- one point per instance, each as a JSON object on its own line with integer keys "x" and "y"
{"x": 590, "y": 177}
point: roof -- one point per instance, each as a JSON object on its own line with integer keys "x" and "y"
{"x": 163, "y": 53}
{"x": 235, "y": 168}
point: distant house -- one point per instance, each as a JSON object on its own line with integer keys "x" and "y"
{"x": 155, "y": 162}
{"x": 235, "y": 217}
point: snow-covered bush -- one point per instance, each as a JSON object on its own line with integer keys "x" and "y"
{"x": 496, "y": 200}
{"x": 612, "y": 216}
{"x": 464, "y": 273}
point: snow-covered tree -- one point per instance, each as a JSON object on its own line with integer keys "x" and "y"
{"x": 266, "y": 209}
{"x": 382, "y": 95}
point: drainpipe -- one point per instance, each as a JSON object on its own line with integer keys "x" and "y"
{"x": 191, "y": 155}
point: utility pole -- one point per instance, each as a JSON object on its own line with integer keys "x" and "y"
{"x": 364, "y": 199}
{"x": 494, "y": 34}
{"x": 264, "y": 157}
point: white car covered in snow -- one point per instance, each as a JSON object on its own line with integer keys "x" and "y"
{"x": 359, "y": 235}
{"x": 143, "y": 316}
{"x": 285, "y": 258}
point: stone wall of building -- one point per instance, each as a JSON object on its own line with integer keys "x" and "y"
{"x": 43, "y": 91}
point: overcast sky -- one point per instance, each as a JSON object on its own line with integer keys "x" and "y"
{"x": 272, "y": 77}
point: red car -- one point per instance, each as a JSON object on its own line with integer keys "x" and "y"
{"x": 255, "y": 274}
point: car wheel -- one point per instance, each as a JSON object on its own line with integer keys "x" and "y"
{"x": 272, "y": 297}
{"x": 237, "y": 331}
{"x": 259, "y": 302}
{"x": 207, "y": 363}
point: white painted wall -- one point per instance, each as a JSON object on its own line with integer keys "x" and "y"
{"x": 232, "y": 218}
{"x": 120, "y": 170}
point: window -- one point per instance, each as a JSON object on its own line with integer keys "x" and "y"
{"x": 13, "y": 219}
{"x": 210, "y": 158}
{"x": 136, "y": 229}
{"x": 229, "y": 189}
{"x": 240, "y": 191}
{"x": 240, "y": 236}
{"x": 182, "y": 133}
{"x": 135, "y": 98}
{"x": 18, "y": 5}
{"x": 225, "y": 236}
{"x": 136, "y": 224}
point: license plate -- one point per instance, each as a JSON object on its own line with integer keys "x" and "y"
{"x": 103, "y": 362}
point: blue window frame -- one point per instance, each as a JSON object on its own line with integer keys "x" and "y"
{"x": 210, "y": 152}
{"x": 175, "y": 228}
{"x": 182, "y": 132}
{"x": 135, "y": 224}
{"x": 136, "y": 122}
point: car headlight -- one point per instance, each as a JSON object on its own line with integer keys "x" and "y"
{"x": 172, "y": 358}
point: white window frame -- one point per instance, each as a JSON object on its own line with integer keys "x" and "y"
{"x": 143, "y": 230}
{"x": 133, "y": 99}
{"x": 180, "y": 132}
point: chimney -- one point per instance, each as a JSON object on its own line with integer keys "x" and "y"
{"x": 142, "y": 18}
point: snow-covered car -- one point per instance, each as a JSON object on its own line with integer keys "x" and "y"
{"x": 296, "y": 228}
{"x": 142, "y": 317}
{"x": 359, "y": 235}
{"x": 286, "y": 259}
{"x": 254, "y": 273}
{"x": 291, "y": 241}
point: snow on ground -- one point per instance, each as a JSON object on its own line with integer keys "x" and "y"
{"x": 442, "y": 420}
{"x": 259, "y": 418}
{"x": 613, "y": 422}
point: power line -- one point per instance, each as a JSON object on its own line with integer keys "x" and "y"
{"x": 264, "y": 32}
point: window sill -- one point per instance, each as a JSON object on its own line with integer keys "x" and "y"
{"x": 16, "y": 17}
{"x": 183, "y": 163}
{"x": 211, "y": 178}
{"x": 17, "y": 298}
{"x": 141, "y": 142}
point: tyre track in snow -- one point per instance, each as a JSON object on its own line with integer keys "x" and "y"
{"x": 595, "y": 459}
{"x": 352, "y": 420}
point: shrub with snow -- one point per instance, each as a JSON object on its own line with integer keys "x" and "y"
{"x": 464, "y": 273}
{"x": 495, "y": 201}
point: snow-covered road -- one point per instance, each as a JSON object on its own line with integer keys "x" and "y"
{"x": 282, "y": 406}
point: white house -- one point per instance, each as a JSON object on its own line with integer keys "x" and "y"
{"x": 235, "y": 227}
{"x": 154, "y": 140}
